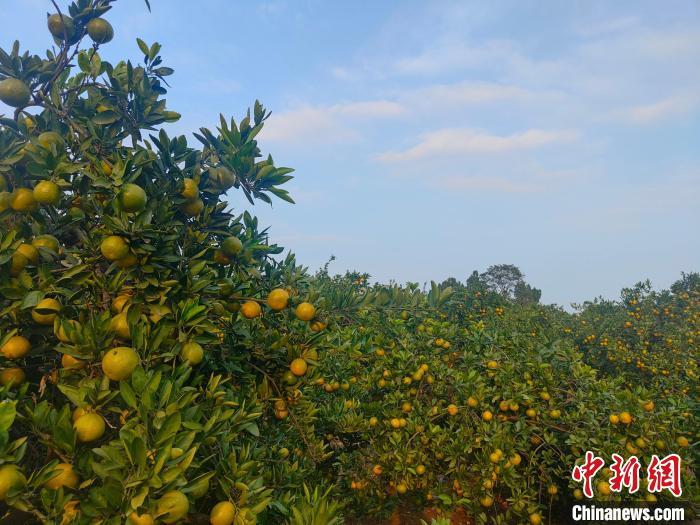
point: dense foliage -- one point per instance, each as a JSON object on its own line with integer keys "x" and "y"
{"x": 161, "y": 363}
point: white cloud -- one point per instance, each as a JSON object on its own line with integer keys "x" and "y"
{"x": 464, "y": 141}
{"x": 326, "y": 124}
{"x": 657, "y": 111}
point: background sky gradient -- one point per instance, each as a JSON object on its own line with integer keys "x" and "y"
{"x": 434, "y": 138}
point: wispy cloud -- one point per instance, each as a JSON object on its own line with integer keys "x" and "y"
{"x": 327, "y": 124}
{"x": 657, "y": 111}
{"x": 465, "y": 141}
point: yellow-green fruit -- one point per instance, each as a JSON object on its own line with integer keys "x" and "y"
{"x": 45, "y": 311}
{"x": 114, "y": 248}
{"x": 172, "y": 506}
{"x": 61, "y": 26}
{"x": 192, "y": 352}
{"x": 47, "y": 192}
{"x": 221, "y": 178}
{"x": 305, "y": 311}
{"x": 5, "y": 201}
{"x": 48, "y": 242}
{"x": 23, "y": 200}
{"x": 120, "y": 326}
{"x": 223, "y": 513}
{"x": 119, "y": 363}
{"x": 100, "y": 30}
{"x": 231, "y": 246}
{"x": 193, "y": 207}
{"x": 200, "y": 488}
{"x": 30, "y": 252}
{"x": 11, "y": 478}
{"x": 14, "y": 92}
{"x": 64, "y": 476}
{"x": 190, "y": 191}
{"x": 89, "y": 427}
{"x": 50, "y": 138}
{"x": 132, "y": 198}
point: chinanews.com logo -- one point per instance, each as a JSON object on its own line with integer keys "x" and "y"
{"x": 662, "y": 474}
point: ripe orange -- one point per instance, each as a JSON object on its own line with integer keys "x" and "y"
{"x": 12, "y": 377}
{"x": 305, "y": 311}
{"x": 119, "y": 302}
{"x": 89, "y": 427}
{"x": 492, "y": 365}
{"x": 132, "y": 198}
{"x": 251, "y": 309}
{"x": 298, "y": 367}
{"x": 223, "y": 513}
{"x": 11, "y": 478}
{"x": 452, "y": 409}
{"x": 614, "y": 419}
{"x": 377, "y": 470}
{"x": 278, "y": 299}
{"x": 71, "y": 363}
{"x": 192, "y": 352}
{"x": 118, "y": 363}
{"x": 16, "y": 347}
{"x": 487, "y": 415}
{"x": 45, "y": 311}
{"x": 114, "y": 248}
{"x": 64, "y": 476}
{"x": 47, "y": 192}
{"x": 139, "y": 519}
{"x": 625, "y": 418}
{"x": 535, "y": 519}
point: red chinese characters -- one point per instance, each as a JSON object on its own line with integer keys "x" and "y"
{"x": 665, "y": 474}
{"x": 586, "y": 472}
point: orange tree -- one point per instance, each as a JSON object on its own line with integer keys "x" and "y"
{"x": 436, "y": 401}
{"x": 126, "y": 393}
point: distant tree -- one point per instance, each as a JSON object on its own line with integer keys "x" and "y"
{"x": 475, "y": 283}
{"x": 687, "y": 283}
{"x": 451, "y": 282}
{"x": 503, "y": 279}
{"x": 526, "y": 294}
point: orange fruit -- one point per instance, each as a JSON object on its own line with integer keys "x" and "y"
{"x": 298, "y": 367}
{"x": 14, "y": 92}
{"x": 277, "y": 299}
{"x": 223, "y": 513}
{"x": 29, "y": 251}
{"x": 193, "y": 208}
{"x": 192, "y": 352}
{"x": 64, "y": 476}
{"x": 119, "y": 302}
{"x": 23, "y": 200}
{"x": 114, "y": 248}
{"x": 452, "y": 409}
{"x": 251, "y": 309}
{"x": 47, "y": 192}
{"x": 100, "y": 30}
{"x": 16, "y": 347}
{"x": 50, "y": 138}
{"x": 118, "y": 363}
{"x": 120, "y": 326}
{"x": 48, "y": 242}
{"x": 305, "y": 311}
{"x": 139, "y": 519}
{"x": 12, "y": 377}
{"x": 11, "y": 478}
{"x": 89, "y": 427}
{"x": 45, "y": 311}
{"x": 231, "y": 246}
{"x": 172, "y": 506}
{"x": 190, "y": 191}
{"x": 625, "y": 418}
{"x": 132, "y": 198}
{"x": 487, "y": 415}
{"x": 70, "y": 362}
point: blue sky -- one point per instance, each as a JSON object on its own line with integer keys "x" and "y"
{"x": 434, "y": 138}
